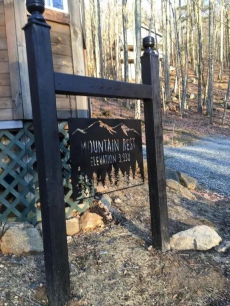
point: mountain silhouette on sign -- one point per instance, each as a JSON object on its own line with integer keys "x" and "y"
{"x": 110, "y": 129}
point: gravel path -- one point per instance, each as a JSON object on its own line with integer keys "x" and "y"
{"x": 207, "y": 160}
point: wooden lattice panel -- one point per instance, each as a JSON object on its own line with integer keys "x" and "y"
{"x": 19, "y": 192}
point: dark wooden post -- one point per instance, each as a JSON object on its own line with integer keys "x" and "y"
{"x": 41, "y": 75}
{"x": 154, "y": 147}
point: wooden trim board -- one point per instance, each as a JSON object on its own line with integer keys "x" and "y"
{"x": 11, "y": 124}
{"x": 13, "y": 58}
{"x": 77, "y": 53}
{"x": 21, "y": 20}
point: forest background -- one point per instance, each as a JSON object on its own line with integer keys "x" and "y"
{"x": 192, "y": 39}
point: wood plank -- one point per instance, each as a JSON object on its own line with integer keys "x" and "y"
{"x": 63, "y": 69}
{"x": 59, "y": 38}
{"x": 77, "y": 51}
{"x": 63, "y": 103}
{"x": 2, "y": 19}
{"x": 60, "y": 60}
{"x": 6, "y": 103}
{"x": 2, "y": 31}
{"x": 4, "y": 67}
{"x": 14, "y": 124}
{"x": 21, "y": 20}
{"x": 85, "y": 86}
{"x": 13, "y": 57}
{"x": 56, "y": 16}
{"x": 5, "y": 79}
{"x": 5, "y": 91}
{"x": 1, "y": 7}
{"x": 6, "y": 114}
{"x": 61, "y": 49}
{"x": 4, "y": 56}
{"x": 3, "y": 44}
{"x": 60, "y": 28}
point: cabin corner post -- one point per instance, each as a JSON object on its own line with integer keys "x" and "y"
{"x": 154, "y": 148}
{"x": 41, "y": 77}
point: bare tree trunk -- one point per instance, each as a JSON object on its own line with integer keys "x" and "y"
{"x": 117, "y": 42}
{"x": 152, "y": 20}
{"x": 185, "y": 75}
{"x": 125, "y": 44}
{"x": 197, "y": 9}
{"x": 228, "y": 38}
{"x": 100, "y": 39}
{"x": 165, "y": 46}
{"x": 138, "y": 52}
{"x": 178, "y": 51}
{"x": 95, "y": 38}
{"x": 221, "y": 38}
{"x": 192, "y": 22}
{"x": 211, "y": 60}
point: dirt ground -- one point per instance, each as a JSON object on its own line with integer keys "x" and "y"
{"x": 117, "y": 265}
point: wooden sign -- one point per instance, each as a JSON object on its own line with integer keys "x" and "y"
{"x": 106, "y": 152}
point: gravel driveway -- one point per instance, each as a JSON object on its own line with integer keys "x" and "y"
{"x": 207, "y": 160}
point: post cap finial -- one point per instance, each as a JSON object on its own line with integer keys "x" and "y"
{"x": 35, "y": 8}
{"x": 148, "y": 43}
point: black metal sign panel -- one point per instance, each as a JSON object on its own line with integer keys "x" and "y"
{"x": 106, "y": 152}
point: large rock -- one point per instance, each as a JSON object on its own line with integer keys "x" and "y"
{"x": 72, "y": 226}
{"x": 171, "y": 174}
{"x": 201, "y": 237}
{"x": 20, "y": 225}
{"x": 90, "y": 221}
{"x": 187, "y": 180}
{"x": 223, "y": 247}
{"x": 101, "y": 189}
{"x": 184, "y": 192}
{"x": 39, "y": 227}
{"x": 106, "y": 200}
{"x": 21, "y": 241}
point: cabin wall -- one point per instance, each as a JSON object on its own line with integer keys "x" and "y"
{"x": 62, "y": 62}
{"x": 68, "y": 57}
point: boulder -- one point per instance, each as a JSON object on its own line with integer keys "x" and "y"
{"x": 72, "y": 226}
{"x": 171, "y": 174}
{"x": 184, "y": 192}
{"x": 101, "y": 189}
{"x": 106, "y": 200}
{"x": 20, "y": 225}
{"x": 39, "y": 227}
{"x": 90, "y": 221}
{"x": 187, "y": 181}
{"x": 201, "y": 237}
{"x": 223, "y": 247}
{"x": 21, "y": 241}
